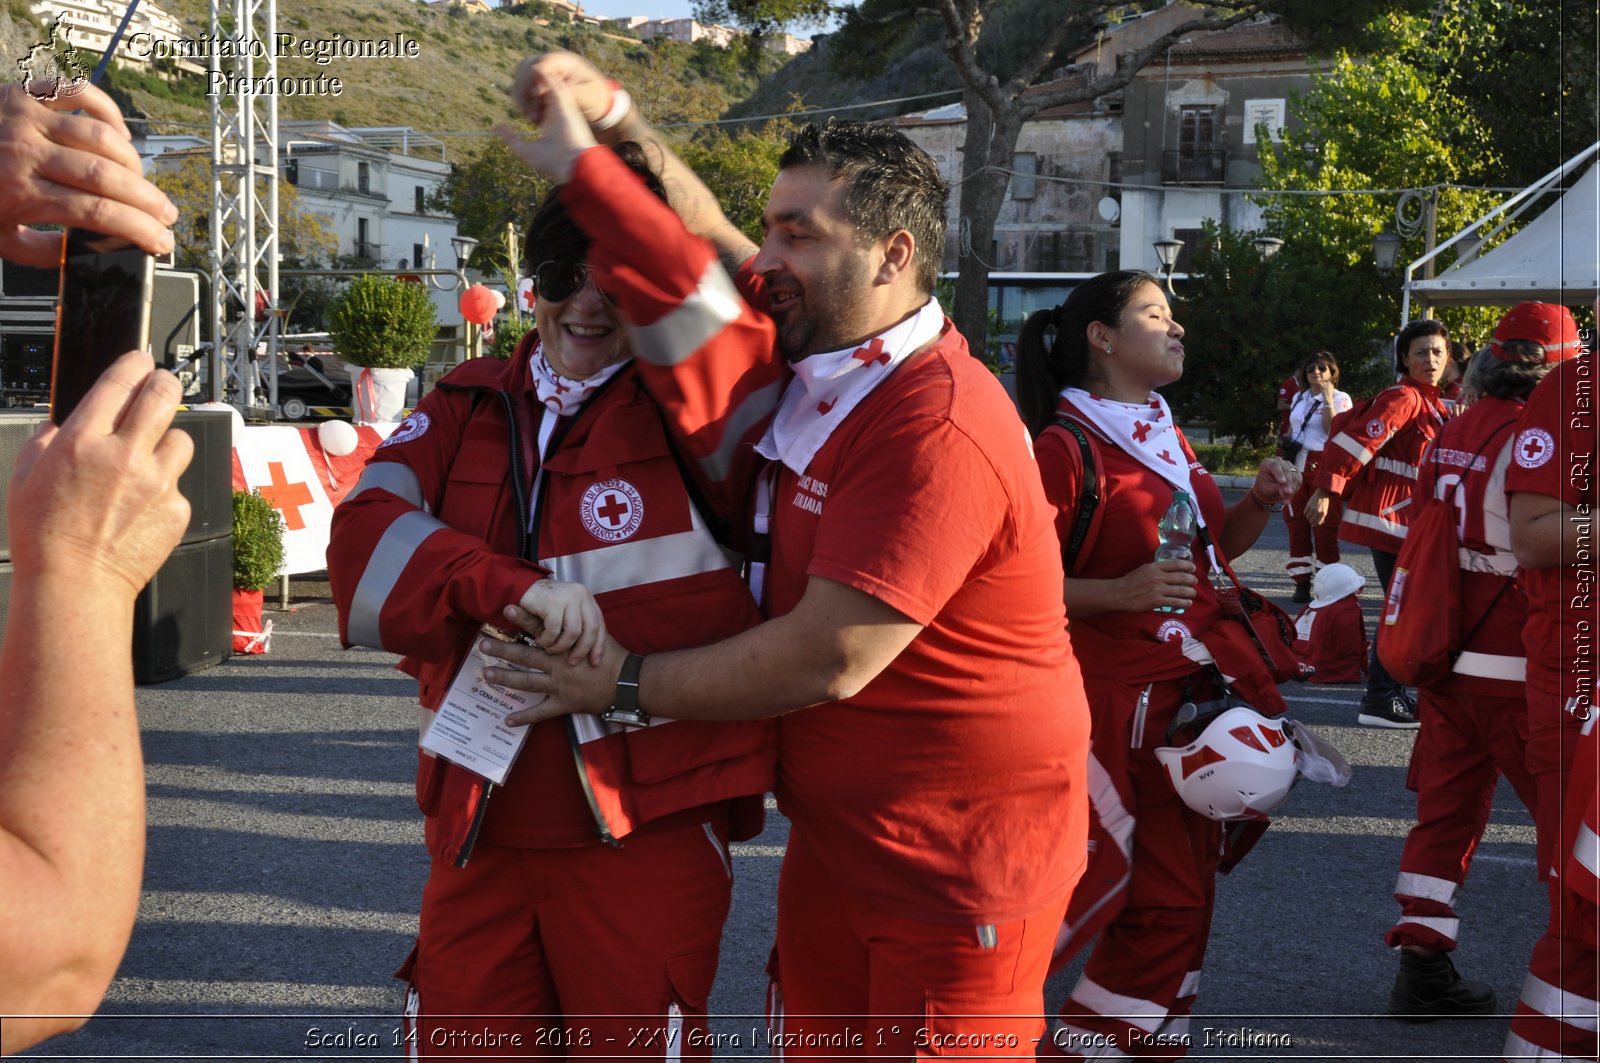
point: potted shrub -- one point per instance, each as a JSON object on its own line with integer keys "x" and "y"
{"x": 383, "y": 328}
{"x": 257, "y": 557}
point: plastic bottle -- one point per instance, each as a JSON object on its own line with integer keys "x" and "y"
{"x": 1177, "y": 530}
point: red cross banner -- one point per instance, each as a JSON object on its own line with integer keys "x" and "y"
{"x": 291, "y": 469}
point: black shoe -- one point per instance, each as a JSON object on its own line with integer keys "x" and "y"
{"x": 1302, "y": 594}
{"x": 1394, "y": 711}
{"x": 1429, "y": 988}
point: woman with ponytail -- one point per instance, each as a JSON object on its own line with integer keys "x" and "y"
{"x": 1157, "y": 638}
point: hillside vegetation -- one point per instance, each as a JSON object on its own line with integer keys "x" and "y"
{"x": 457, "y": 83}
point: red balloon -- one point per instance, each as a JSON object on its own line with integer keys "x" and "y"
{"x": 478, "y": 305}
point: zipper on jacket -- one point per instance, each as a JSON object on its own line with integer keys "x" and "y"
{"x": 600, "y": 824}
{"x": 465, "y": 852}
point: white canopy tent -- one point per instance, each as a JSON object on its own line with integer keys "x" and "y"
{"x": 1555, "y": 258}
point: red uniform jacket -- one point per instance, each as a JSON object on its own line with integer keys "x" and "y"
{"x": 1373, "y": 465}
{"x": 433, "y": 543}
{"x": 1333, "y": 640}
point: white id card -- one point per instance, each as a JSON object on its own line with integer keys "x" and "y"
{"x": 470, "y": 730}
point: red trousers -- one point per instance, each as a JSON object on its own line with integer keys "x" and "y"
{"x": 1148, "y": 892}
{"x": 849, "y": 981}
{"x": 1466, "y": 742}
{"x": 555, "y": 953}
{"x": 1306, "y": 542}
{"x": 1559, "y": 1006}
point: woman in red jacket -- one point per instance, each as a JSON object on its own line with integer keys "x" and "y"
{"x": 1373, "y": 467}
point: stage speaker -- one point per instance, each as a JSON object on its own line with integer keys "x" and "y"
{"x": 174, "y": 317}
{"x": 183, "y": 621}
{"x": 207, "y": 483}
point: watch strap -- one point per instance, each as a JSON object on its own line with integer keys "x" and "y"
{"x": 624, "y": 709}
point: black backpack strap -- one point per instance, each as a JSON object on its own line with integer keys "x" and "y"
{"x": 1088, "y": 495}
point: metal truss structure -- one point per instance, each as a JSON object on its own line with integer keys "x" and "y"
{"x": 245, "y": 316}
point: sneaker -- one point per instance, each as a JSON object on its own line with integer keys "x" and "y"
{"x": 1394, "y": 711}
{"x": 1428, "y": 988}
{"x": 1302, "y": 594}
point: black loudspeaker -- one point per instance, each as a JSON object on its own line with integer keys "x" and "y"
{"x": 208, "y": 481}
{"x": 183, "y": 621}
{"x": 174, "y": 317}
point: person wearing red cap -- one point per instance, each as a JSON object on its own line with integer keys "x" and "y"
{"x": 1474, "y": 721}
{"x": 1551, "y": 487}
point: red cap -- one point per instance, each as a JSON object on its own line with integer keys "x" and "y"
{"x": 1546, "y": 324}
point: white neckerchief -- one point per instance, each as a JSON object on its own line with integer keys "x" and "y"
{"x": 561, "y": 395}
{"x": 1145, "y": 431}
{"x": 826, "y": 387}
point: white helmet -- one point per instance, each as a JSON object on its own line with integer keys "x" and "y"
{"x": 1242, "y": 766}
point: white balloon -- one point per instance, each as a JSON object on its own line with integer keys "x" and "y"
{"x": 236, "y": 434}
{"x": 499, "y": 298}
{"x": 338, "y": 437}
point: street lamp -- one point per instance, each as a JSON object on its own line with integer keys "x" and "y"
{"x": 463, "y": 247}
{"x": 1467, "y": 246}
{"x": 1385, "y": 249}
{"x": 1167, "y": 252}
{"x": 1267, "y": 246}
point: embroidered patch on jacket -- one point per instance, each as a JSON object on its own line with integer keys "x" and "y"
{"x": 1534, "y": 447}
{"x": 1173, "y": 629}
{"x": 410, "y": 428}
{"x": 612, "y": 510}
{"x": 1376, "y": 428}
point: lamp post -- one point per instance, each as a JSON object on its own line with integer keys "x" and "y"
{"x": 463, "y": 247}
{"x": 1167, "y": 252}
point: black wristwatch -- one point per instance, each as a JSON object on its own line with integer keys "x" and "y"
{"x": 625, "y": 710}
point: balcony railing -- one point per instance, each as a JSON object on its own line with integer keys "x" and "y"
{"x": 1194, "y": 166}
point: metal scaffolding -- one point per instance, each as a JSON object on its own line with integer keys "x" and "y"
{"x": 245, "y": 313}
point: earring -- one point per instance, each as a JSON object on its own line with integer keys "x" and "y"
{"x": 1108, "y": 348}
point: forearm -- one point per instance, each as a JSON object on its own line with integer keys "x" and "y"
{"x": 686, "y": 193}
{"x": 1088, "y": 597}
{"x": 71, "y": 801}
{"x": 1545, "y": 533}
{"x": 1242, "y": 525}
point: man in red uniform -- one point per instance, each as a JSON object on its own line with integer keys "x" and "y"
{"x": 580, "y": 911}
{"x": 1475, "y": 721}
{"x": 934, "y": 780}
{"x": 1552, "y": 498}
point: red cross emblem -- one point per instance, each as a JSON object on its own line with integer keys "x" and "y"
{"x": 1157, "y": 413}
{"x": 614, "y": 510}
{"x": 1141, "y": 431}
{"x": 1166, "y": 457}
{"x": 1532, "y": 448}
{"x": 824, "y": 407}
{"x": 527, "y": 298}
{"x": 872, "y": 352}
{"x": 286, "y": 497}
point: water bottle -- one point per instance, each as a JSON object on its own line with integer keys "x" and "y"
{"x": 1177, "y": 530}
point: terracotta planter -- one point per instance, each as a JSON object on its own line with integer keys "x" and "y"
{"x": 249, "y": 635}
{"x": 379, "y": 395}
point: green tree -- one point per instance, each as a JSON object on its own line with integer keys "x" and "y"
{"x": 1390, "y": 122}
{"x": 739, "y": 168}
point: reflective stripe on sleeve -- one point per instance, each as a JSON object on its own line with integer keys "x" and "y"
{"x": 1425, "y": 888}
{"x": 1356, "y": 450}
{"x": 740, "y": 419}
{"x": 394, "y": 477}
{"x": 390, "y": 558}
{"x": 714, "y": 304}
{"x": 1367, "y": 520}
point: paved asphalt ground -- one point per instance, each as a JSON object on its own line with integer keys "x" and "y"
{"x": 285, "y": 867}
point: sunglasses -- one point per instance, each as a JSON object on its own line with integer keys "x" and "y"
{"x": 557, "y": 281}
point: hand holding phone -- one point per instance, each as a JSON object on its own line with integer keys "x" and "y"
{"x": 103, "y": 313}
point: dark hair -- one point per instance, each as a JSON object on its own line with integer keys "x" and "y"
{"x": 1502, "y": 378}
{"x": 1045, "y": 365}
{"x": 1415, "y": 330}
{"x": 551, "y": 232}
{"x": 890, "y": 184}
{"x": 1320, "y": 358}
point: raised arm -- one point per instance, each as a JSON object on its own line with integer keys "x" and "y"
{"x": 613, "y": 117}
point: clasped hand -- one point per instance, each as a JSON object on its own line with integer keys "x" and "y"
{"x": 572, "y": 683}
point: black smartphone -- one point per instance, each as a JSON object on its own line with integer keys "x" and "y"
{"x": 103, "y": 313}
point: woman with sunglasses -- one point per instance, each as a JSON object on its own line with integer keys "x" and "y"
{"x": 1310, "y": 418}
{"x": 1373, "y": 467}
{"x": 585, "y": 902}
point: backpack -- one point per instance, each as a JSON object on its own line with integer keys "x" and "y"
{"x": 1419, "y": 636}
{"x": 1088, "y": 496}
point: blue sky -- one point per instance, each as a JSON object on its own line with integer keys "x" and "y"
{"x": 647, "y": 8}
